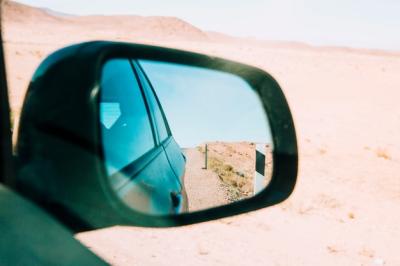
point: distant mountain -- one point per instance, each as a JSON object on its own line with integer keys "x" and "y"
{"x": 23, "y": 23}
{"x": 16, "y": 13}
{"x": 33, "y": 18}
{"x": 56, "y": 13}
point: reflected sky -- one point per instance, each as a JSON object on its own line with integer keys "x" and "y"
{"x": 204, "y": 105}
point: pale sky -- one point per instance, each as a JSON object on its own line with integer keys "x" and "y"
{"x": 203, "y": 105}
{"x": 353, "y": 23}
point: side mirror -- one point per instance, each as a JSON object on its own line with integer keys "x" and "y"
{"x": 116, "y": 133}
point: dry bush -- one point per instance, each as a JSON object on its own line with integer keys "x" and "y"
{"x": 383, "y": 153}
{"x": 238, "y": 184}
{"x": 234, "y": 163}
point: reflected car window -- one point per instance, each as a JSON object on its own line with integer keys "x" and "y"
{"x": 125, "y": 123}
{"x": 162, "y": 129}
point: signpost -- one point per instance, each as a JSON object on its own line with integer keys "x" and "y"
{"x": 259, "y": 174}
{"x": 205, "y": 156}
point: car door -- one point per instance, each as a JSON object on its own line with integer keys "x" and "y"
{"x": 135, "y": 160}
{"x": 165, "y": 137}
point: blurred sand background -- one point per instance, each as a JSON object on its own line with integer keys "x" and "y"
{"x": 345, "y": 209}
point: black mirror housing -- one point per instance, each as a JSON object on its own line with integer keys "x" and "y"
{"x": 59, "y": 154}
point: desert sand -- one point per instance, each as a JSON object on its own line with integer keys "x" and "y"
{"x": 345, "y": 209}
{"x": 203, "y": 186}
{"x": 229, "y": 175}
{"x": 239, "y": 158}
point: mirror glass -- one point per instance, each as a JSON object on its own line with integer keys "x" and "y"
{"x": 178, "y": 138}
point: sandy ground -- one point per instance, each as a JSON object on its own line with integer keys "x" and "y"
{"x": 241, "y": 156}
{"x": 345, "y": 209}
{"x": 203, "y": 186}
{"x": 229, "y": 175}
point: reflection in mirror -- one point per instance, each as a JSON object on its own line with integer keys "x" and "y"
{"x": 178, "y": 138}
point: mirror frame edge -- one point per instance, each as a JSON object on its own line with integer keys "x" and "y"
{"x": 285, "y": 155}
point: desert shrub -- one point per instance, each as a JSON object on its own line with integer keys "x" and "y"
{"x": 239, "y": 185}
